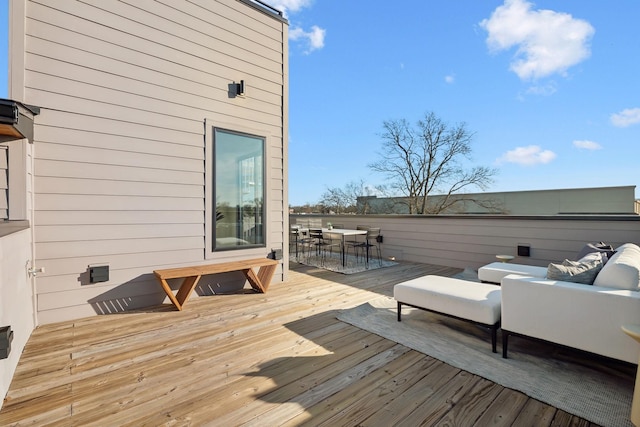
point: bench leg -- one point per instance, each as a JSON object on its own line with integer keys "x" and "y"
{"x": 399, "y": 310}
{"x": 188, "y": 285}
{"x": 261, "y": 281}
{"x": 169, "y": 292}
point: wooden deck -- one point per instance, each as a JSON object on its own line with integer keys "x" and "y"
{"x": 273, "y": 359}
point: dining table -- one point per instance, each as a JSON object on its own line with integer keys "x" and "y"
{"x": 343, "y": 233}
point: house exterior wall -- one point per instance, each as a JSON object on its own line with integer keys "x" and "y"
{"x": 474, "y": 240}
{"x": 16, "y": 297}
{"x": 119, "y": 148}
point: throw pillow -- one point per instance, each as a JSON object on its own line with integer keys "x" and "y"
{"x": 594, "y": 256}
{"x": 573, "y": 271}
{"x": 606, "y": 250}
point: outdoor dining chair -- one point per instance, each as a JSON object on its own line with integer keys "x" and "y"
{"x": 372, "y": 240}
{"x": 356, "y": 243}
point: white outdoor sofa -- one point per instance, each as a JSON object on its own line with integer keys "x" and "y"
{"x": 586, "y": 317}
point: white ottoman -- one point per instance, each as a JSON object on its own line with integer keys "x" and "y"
{"x": 471, "y": 301}
{"x": 494, "y": 272}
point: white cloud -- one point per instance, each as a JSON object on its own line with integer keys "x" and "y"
{"x": 450, "y": 79}
{"x": 547, "y": 42}
{"x": 587, "y": 145}
{"x": 287, "y": 6}
{"x": 542, "y": 90}
{"x": 528, "y": 156}
{"x": 314, "y": 38}
{"x": 625, "y": 118}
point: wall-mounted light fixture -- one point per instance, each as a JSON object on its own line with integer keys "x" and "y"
{"x": 240, "y": 88}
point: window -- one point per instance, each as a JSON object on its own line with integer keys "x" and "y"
{"x": 238, "y": 190}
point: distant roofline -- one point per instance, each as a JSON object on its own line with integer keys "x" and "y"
{"x": 555, "y": 189}
{"x": 266, "y": 9}
{"x": 516, "y": 191}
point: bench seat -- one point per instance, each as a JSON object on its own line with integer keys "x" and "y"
{"x": 191, "y": 276}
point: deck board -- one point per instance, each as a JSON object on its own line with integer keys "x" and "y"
{"x": 280, "y": 358}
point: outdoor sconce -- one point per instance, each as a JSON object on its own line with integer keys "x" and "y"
{"x": 240, "y": 88}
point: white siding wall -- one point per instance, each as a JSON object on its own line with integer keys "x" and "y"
{"x": 16, "y": 299}
{"x": 472, "y": 241}
{"x": 124, "y": 87}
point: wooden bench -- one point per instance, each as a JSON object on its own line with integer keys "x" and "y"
{"x": 191, "y": 276}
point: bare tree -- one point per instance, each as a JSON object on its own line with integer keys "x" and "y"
{"x": 426, "y": 159}
{"x": 345, "y": 199}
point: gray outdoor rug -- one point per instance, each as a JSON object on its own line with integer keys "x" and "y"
{"x": 592, "y": 388}
{"x": 333, "y": 262}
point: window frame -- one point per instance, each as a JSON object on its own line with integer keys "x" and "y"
{"x": 210, "y": 190}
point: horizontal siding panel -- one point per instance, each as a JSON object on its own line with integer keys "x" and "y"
{"x": 123, "y": 144}
{"x": 265, "y": 33}
{"x": 116, "y": 305}
{"x": 58, "y": 168}
{"x": 94, "y": 294}
{"x": 176, "y": 91}
{"x": 145, "y": 262}
{"x": 83, "y": 233}
{"x": 150, "y": 44}
{"x": 107, "y": 156}
{"x": 79, "y": 121}
{"x": 66, "y": 202}
{"x": 472, "y": 242}
{"x": 114, "y": 247}
{"x": 117, "y": 217}
{"x": 143, "y": 281}
{"x": 174, "y": 107}
{"x": 121, "y": 62}
{"x": 115, "y": 188}
{"x": 119, "y": 113}
{"x": 217, "y": 34}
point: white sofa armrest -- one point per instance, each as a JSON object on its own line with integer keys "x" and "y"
{"x": 580, "y": 316}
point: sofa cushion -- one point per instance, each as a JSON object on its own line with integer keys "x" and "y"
{"x": 574, "y": 271}
{"x": 600, "y": 247}
{"x": 594, "y": 256}
{"x": 623, "y": 269}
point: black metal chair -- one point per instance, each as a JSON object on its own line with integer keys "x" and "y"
{"x": 356, "y": 242}
{"x": 294, "y": 237}
{"x": 372, "y": 240}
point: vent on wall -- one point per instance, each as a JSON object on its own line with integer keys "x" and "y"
{"x": 98, "y": 273}
{"x": 524, "y": 250}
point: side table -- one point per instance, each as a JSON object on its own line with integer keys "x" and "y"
{"x": 634, "y": 332}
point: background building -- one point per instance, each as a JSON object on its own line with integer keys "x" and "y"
{"x": 602, "y": 200}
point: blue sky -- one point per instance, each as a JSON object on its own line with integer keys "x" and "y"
{"x": 549, "y": 88}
